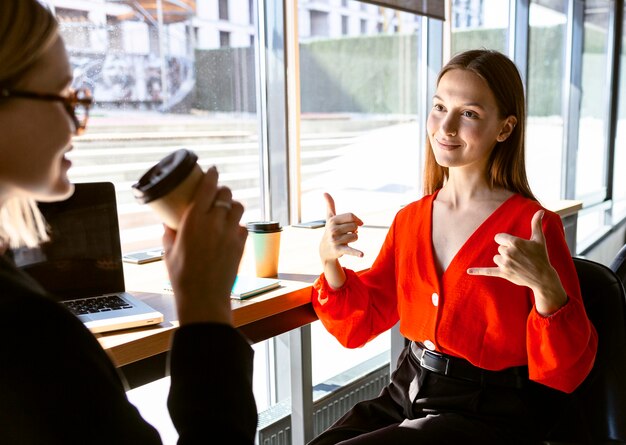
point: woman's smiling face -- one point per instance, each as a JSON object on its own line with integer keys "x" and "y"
{"x": 464, "y": 123}
{"x": 37, "y": 134}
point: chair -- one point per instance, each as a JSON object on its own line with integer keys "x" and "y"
{"x": 597, "y": 412}
{"x": 619, "y": 264}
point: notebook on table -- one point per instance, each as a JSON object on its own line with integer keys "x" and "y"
{"x": 82, "y": 263}
{"x": 245, "y": 286}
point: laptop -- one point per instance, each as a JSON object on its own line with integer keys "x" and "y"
{"x": 82, "y": 263}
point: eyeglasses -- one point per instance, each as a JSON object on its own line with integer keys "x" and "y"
{"x": 77, "y": 103}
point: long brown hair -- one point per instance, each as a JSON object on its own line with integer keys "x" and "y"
{"x": 506, "y": 167}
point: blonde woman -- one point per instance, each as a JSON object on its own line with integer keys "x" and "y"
{"x": 57, "y": 385}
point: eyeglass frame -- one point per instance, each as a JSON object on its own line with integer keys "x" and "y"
{"x": 70, "y": 102}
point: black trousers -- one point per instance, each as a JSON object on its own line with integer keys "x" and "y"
{"x": 422, "y": 407}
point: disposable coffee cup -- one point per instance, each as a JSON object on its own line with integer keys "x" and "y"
{"x": 169, "y": 186}
{"x": 265, "y": 237}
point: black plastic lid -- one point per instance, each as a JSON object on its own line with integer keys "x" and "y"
{"x": 264, "y": 226}
{"x": 164, "y": 176}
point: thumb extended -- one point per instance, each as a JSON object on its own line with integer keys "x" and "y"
{"x": 330, "y": 205}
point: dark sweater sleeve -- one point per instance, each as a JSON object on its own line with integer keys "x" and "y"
{"x": 211, "y": 385}
{"x": 57, "y": 385}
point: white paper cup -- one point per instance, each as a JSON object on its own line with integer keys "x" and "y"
{"x": 265, "y": 237}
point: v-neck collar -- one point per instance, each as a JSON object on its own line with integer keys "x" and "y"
{"x": 468, "y": 242}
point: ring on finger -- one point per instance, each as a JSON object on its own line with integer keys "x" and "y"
{"x": 225, "y": 204}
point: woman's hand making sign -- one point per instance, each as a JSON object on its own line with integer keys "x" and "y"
{"x": 526, "y": 263}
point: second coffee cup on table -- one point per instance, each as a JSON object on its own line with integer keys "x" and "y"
{"x": 265, "y": 237}
{"x": 169, "y": 186}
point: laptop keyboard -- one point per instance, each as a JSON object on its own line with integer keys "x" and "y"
{"x": 97, "y": 304}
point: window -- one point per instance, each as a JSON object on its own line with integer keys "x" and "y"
{"x": 591, "y": 173}
{"x": 157, "y": 89}
{"x": 546, "y": 70}
{"x": 479, "y": 24}
{"x": 319, "y": 24}
{"x": 77, "y": 28}
{"x": 619, "y": 179}
{"x": 224, "y": 39}
{"x": 363, "y": 27}
{"x": 344, "y": 25}
{"x": 223, "y": 10}
{"x": 359, "y": 141}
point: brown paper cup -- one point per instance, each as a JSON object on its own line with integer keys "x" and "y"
{"x": 169, "y": 186}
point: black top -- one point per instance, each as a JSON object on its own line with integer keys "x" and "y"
{"x": 58, "y": 386}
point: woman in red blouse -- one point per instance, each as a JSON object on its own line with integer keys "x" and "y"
{"x": 479, "y": 276}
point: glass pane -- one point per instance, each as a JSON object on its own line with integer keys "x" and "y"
{"x": 591, "y": 160}
{"x": 183, "y": 76}
{"x": 479, "y": 24}
{"x": 544, "y": 137}
{"x": 359, "y": 132}
{"x": 188, "y": 81}
{"x": 619, "y": 179}
{"x": 590, "y": 226}
{"x": 359, "y": 122}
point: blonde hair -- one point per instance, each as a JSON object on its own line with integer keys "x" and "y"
{"x": 27, "y": 30}
{"x": 506, "y": 167}
{"x": 21, "y": 223}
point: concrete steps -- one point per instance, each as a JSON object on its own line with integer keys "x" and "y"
{"x": 122, "y": 152}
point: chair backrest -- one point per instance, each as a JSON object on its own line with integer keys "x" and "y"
{"x": 619, "y": 264}
{"x": 598, "y": 411}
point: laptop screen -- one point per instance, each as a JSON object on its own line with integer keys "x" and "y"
{"x": 83, "y": 257}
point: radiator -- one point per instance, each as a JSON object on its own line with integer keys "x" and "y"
{"x": 275, "y": 422}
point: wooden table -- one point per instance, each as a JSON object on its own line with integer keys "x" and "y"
{"x": 259, "y": 317}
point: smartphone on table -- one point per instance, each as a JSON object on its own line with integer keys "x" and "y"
{"x": 143, "y": 256}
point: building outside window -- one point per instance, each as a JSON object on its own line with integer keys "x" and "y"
{"x": 160, "y": 86}
{"x": 479, "y": 24}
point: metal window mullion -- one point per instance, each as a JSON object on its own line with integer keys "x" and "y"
{"x": 261, "y": 105}
{"x": 274, "y": 123}
{"x": 293, "y": 108}
{"x": 615, "y": 41}
{"x": 572, "y": 91}
{"x": 430, "y": 61}
{"x": 301, "y": 385}
{"x": 261, "y": 56}
{"x": 518, "y": 36}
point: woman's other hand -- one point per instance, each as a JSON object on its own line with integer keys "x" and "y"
{"x": 526, "y": 263}
{"x": 203, "y": 256}
{"x": 340, "y": 231}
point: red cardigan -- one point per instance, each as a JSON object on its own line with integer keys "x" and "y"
{"x": 487, "y": 320}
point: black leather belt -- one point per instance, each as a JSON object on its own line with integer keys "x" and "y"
{"x": 459, "y": 368}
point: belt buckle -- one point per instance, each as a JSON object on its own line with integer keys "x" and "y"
{"x": 423, "y": 363}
